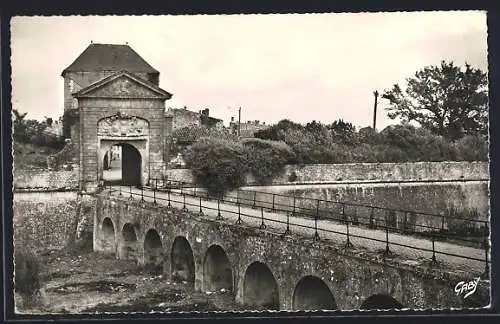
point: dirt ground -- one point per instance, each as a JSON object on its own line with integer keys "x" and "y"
{"x": 76, "y": 281}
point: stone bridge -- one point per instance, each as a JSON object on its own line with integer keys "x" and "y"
{"x": 265, "y": 269}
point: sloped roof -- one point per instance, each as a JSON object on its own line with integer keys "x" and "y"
{"x": 109, "y": 57}
{"x": 96, "y": 85}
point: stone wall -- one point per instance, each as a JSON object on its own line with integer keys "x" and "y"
{"x": 46, "y": 180}
{"x": 183, "y": 175}
{"x": 373, "y": 172}
{"x": 65, "y": 159}
{"x": 418, "y": 171}
{"x": 44, "y": 220}
{"x": 446, "y": 201}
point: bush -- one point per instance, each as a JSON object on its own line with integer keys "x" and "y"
{"x": 27, "y": 273}
{"x": 217, "y": 164}
{"x": 472, "y": 148}
{"x": 291, "y": 143}
{"x": 267, "y": 159}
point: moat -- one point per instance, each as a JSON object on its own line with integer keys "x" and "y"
{"x": 89, "y": 282}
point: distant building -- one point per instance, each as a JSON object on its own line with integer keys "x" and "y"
{"x": 248, "y": 128}
{"x": 210, "y": 122}
{"x": 182, "y": 117}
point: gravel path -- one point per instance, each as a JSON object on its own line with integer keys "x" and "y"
{"x": 401, "y": 245}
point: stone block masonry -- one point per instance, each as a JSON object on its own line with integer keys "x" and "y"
{"x": 45, "y": 180}
{"x": 368, "y": 172}
{"x": 386, "y": 172}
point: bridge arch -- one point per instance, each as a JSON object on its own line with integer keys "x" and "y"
{"x": 108, "y": 236}
{"x": 153, "y": 252}
{"x": 260, "y": 289}
{"x": 381, "y": 301}
{"x": 217, "y": 270}
{"x": 311, "y": 293}
{"x": 182, "y": 261}
{"x": 129, "y": 242}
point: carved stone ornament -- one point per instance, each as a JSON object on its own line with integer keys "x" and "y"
{"x": 123, "y": 125}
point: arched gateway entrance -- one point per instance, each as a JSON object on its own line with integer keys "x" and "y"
{"x": 125, "y": 169}
{"x": 124, "y": 144}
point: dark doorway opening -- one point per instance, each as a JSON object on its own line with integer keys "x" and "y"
{"x": 129, "y": 247}
{"x": 108, "y": 236}
{"x": 217, "y": 272}
{"x": 182, "y": 261}
{"x": 311, "y": 293}
{"x": 260, "y": 290}
{"x": 380, "y": 301}
{"x": 122, "y": 165}
{"x": 153, "y": 253}
{"x": 131, "y": 165}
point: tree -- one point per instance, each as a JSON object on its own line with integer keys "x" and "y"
{"x": 340, "y": 127}
{"x": 448, "y": 100}
{"x": 272, "y": 133}
{"x": 343, "y": 131}
{"x": 19, "y": 125}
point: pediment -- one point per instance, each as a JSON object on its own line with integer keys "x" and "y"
{"x": 122, "y": 85}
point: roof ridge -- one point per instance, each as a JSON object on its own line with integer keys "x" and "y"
{"x": 109, "y": 57}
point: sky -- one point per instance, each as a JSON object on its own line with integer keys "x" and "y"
{"x": 302, "y": 67}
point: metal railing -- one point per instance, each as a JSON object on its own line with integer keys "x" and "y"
{"x": 180, "y": 198}
{"x": 410, "y": 222}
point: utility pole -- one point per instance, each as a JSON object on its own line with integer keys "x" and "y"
{"x": 375, "y": 110}
{"x": 239, "y": 122}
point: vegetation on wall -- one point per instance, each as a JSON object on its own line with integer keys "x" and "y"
{"x": 220, "y": 163}
{"x": 318, "y": 143}
{"x": 34, "y": 132}
{"x": 33, "y": 143}
{"x": 267, "y": 159}
{"x": 27, "y": 278}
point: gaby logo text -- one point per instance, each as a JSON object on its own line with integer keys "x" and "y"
{"x": 467, "y": 287}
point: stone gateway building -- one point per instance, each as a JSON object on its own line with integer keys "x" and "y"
{"x": 113, "y": 98}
